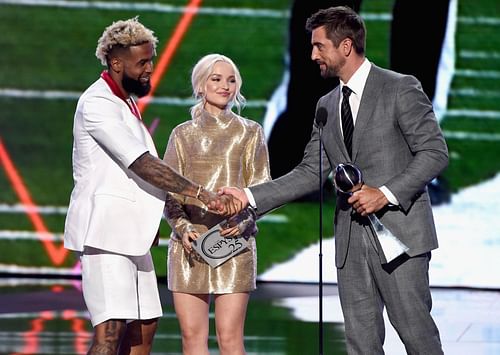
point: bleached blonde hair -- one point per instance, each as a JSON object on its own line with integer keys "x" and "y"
{"x": 200, "y": 74}
{"x": 123, "y": 34}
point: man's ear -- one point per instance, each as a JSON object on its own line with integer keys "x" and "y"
{"x": 346, "y": 45}
{"x": 116, "y": 64}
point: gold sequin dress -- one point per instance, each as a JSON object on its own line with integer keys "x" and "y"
{"x": 227, "y": 150}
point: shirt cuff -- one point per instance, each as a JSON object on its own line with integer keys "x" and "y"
{"x": 251, "y": 199}
{"x": 388, "y": 194}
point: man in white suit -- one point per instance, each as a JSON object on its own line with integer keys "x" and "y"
{"x": 118, "y": 198}
{"x": 384, "y": 123}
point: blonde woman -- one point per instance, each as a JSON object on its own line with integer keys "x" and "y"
{"x": 215, "y": 148}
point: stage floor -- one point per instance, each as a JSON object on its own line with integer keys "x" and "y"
{"x": 49, "y": 317}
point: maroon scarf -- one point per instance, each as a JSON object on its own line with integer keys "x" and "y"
{"x": 116, "y": 90}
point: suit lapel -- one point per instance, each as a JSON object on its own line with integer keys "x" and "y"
{"x": 373, "y": 88}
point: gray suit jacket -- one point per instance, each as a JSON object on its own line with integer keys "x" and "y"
{"x": 397, "y": 142}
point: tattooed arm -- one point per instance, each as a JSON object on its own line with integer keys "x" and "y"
{"x": 159, "y": 174}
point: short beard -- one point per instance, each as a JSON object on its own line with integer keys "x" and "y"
{"x": 133, "y": 86}
{"x": 329, "y": 72}
{"x": 333, "y": 71}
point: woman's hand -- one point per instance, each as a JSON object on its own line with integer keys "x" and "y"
{"x": 230, "y": 231}
{"x": 187, "y": 239}
{"x": 243, "y": 223}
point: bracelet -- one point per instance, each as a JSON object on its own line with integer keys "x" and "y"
{"x": 200, "y": 189}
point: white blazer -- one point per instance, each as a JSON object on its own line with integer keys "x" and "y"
{"x": 110, "y": 208}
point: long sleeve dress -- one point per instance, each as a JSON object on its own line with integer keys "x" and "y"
{"x": 227, "y": 150}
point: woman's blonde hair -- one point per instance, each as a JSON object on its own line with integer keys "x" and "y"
{"x": 199, "y": 76}
{"x": 123, "y": 34}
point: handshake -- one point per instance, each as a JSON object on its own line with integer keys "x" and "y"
{"x": 228, "y": 201}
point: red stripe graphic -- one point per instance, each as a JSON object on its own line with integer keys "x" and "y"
{"x": 56, "y": 253}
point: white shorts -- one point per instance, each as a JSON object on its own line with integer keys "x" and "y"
{"x": 119, "y": 286}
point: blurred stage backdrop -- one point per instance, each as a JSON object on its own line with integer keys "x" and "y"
{"x": 47, "y": 59}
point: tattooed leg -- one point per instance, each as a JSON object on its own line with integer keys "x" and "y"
{"x": 138, "y": 339}
{"x": 107, "y": 336}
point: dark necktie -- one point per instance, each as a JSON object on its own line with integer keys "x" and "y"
{"x": 347, "y": 122}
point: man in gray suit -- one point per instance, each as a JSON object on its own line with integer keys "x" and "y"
{"x": 394, "y": 138}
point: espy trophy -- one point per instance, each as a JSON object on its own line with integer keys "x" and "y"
{"x": 348, "y": 179}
